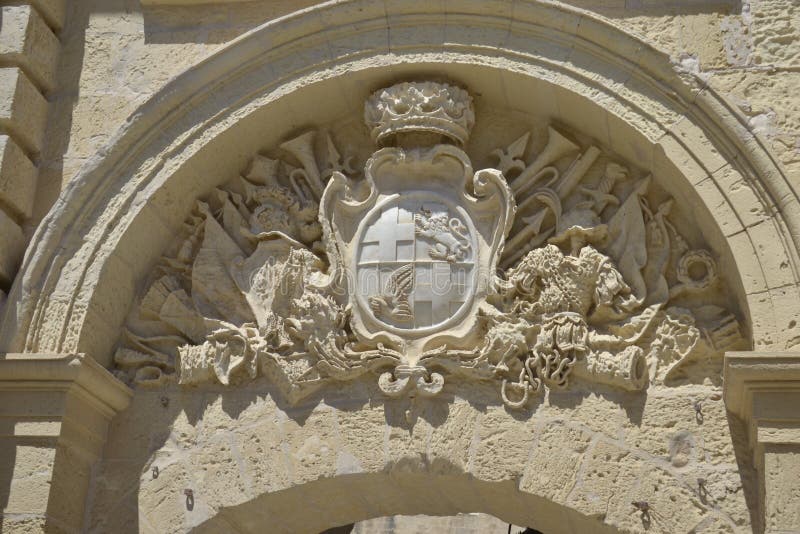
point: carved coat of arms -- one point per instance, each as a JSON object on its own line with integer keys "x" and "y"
{"x": 416, "y": 246}
{"x": 419, "y": 270}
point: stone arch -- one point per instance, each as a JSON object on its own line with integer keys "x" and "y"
{"x": 91, "y": 253}
{"x": 253, "y": 462}
{"x": 111, "y": 223}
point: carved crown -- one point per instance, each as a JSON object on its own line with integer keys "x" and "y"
{"x": 420, "y": 107}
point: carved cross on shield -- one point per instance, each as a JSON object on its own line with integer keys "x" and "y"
{"x": 419, "y": 251}
{"x": 415, "y": 264}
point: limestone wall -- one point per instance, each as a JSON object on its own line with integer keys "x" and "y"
{"x": 29, "y": 50}
{"x": 214, "y": 459}
{"x": 569, "y": 464}
{"x": 120, "y": 52}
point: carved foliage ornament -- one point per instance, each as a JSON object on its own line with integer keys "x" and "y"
{"x": 319, "y": 273}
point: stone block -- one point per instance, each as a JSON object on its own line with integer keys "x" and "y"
{"x": 216, "y": 468}
{"x": 741, "y": 194}
{"x": 27, "y": 42}
{"x": 776, "y": 33}
{"x": 54, "y": 12}
{"x": 29, "y": 489}
{"x": 17, "y": 179}
{"x": 672, "y": 506}
{"x": 553, "y": 469}
{"x": 607, "y": 472}
{"x": 12, "y": 247}
{"x": 265, "y": 463}
{"x": 781, "y": 473}
{"x": 504, "y": 445}
{"x": 23, "y": 524}
{"x": 311, "y": 446}
{"x": 23, "y": 109}
{"x": 776, "y": 265}
{"x": 787, "y": 301}
{"x": 451, "y": 442}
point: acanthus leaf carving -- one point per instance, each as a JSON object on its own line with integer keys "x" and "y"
{"x": 312, "y": 275}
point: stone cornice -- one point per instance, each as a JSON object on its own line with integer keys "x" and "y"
{"x": 74, "y": 373}
{"x": 763, "y": 389}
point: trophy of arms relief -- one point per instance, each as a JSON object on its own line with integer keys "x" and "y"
{"x": 414, "y": 268}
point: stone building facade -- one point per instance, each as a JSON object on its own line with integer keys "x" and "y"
{"x": 283, "y": 266}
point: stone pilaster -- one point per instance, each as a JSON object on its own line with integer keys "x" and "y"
{"x": 54, "y": 414}
{"x": 763, "y": 389}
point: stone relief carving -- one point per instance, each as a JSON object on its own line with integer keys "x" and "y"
{"x": 423, "y": 272}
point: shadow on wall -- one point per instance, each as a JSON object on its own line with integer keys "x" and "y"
{"x": 181, "y": 459}
{"x": 8, "y": 458}
{"x": 220, "y": 23}
{"x": 213, "y": 24}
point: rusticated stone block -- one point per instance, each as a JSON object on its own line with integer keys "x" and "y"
{"x": 23, "y": 109}
{"x": 17, "y": 178}
{"x": 781, "y": 470}
{"x": 27, "y": 42}
{"x": 605, "y": 468}
{"x": 28, "y": 493}
{"x": 53, "y": 11}
{"x": 553, "y": 468}
{"x": 12, "y": 247}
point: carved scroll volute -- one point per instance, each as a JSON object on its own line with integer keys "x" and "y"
{"x": 494, "y": 196}
{"x": 339, "y": 213}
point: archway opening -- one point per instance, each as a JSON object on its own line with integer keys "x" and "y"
{"x": 400, "y": 491}
{"x": 412, "y": 524}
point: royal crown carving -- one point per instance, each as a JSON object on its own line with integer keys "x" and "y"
{"x": 410, "y": 107}
{"x": 416, "y": 270}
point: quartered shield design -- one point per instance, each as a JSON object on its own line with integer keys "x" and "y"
{"x": 415, "y": 264}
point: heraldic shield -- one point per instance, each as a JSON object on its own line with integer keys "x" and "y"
{"x": 416, "y": 242}
{"x": 331, "y": 271}
{"x": 417, "y": 255}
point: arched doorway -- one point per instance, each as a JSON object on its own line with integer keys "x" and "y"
{"x": 595, "y": 450}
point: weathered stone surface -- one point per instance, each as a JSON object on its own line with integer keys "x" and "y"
{"x": 53, "y": 11}
{"x": 781, "y": 471}
{"x": 776, "y": 33}
{"x": 768, "y": 100}
{"x": 312, "y": 452}
{"x": 29, "y": 477}
{"x": 502, "y": 447}
{"x": 555, "y": 461}
{"x": 579, "y": 457}
{"x": 23, "y": 110}
{"x": 672, "y": 508}
{"x": 667, "y": 420}
{"x": 27, "y": 42}
{"x": 23, "y": 524}
{"x": 12, "y": 246}
{"x": 606, "y": 472}
{"x": 362, "y": 450}
{"x": 18, "y": 178}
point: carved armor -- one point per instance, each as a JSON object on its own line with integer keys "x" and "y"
{"x": 320, "y": 273}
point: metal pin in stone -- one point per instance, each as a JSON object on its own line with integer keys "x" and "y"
{"x": 189, "y": 498}
{"x": 642, "y": 506}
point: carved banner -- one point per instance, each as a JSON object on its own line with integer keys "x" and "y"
{"x": 422, "y": 272}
